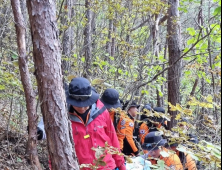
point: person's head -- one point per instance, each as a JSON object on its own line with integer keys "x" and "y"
{"x": 159, "y": 110}
{"x": 172, "y": 146}
{"x": 153, "y": 143}
{"x": 146, "y": 108}
{"x": 110, "y": 99}
{"x": 133, "y": 108}
{"x": 183, "y": 124}
{"x": 80, "y": 95}
{"x": 193, "y": 138}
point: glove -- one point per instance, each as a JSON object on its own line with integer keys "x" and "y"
{"x": 39, "y": 133}
{"x": 136, "y": 153}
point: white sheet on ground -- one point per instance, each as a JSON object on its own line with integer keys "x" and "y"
{"x": 138, "y": 164}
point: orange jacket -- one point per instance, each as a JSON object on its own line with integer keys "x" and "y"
{"x": 144, "y": 130}
{"x": 130, "y": 147}
{"x": 188, "y": 162}
{"x": 120, "y": 126}
{"x": 173, "y": 161}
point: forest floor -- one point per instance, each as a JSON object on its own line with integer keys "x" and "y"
{"x": 13, "y": 149}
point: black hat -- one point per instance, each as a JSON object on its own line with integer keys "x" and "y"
{"x": 132, "y": 104}
{"x": 110, "y": 99}
{"x": 153, "y": 140}
{"x": 147, "y": 107}
{"x": 80, "y": 93}
{"x": 94, "y": 89}
{"x": 144, "y": 116}
{"x": 193, "y": 138}
{"x": 159, "y": 109}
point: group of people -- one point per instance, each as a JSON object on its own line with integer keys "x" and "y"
{"x": 96, "y": 120}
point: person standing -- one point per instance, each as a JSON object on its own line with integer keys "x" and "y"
{"x": 91, "y": 125}
{"x": 145, "y": 124}
{"x": 110, "y": 99}
{"x": 131, "y": 147}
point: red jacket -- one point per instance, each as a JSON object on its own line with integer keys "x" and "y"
{"x": 98, "y": 130}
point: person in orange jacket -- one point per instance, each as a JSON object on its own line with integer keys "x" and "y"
{"x": 154, "y": 145}
{"x": 110, "y": 99}
{"x": 187, "y": 161}
{"x": 130, "y": 144}
{"x": 146, "y": 125}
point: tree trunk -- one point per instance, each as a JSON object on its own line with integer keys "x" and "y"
{"x": 159, "y": 99}
{"x": 47, "y": 59}
{"x": 88, "y": 39}
{"x": 27, "y": 85}
{"x": 108, "y": 44}
{"x": 174, "y": 45}
{"x": 113, "y": 43}
{"x": 193, "y": 90}
{"x": 66, "y": 42}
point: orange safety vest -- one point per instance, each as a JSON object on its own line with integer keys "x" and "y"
{"x": 130, "y": 147}
{"x": 173, "y": 161}
{"x": 119, "y": 121}
{"x": 144, "y": 130}
{"x": 187, "y": 161}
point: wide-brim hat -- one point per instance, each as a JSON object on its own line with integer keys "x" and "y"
{"x": 153, "y": 141}
{"x": 110, "y": 99}
{"x": 109, "y": 106}
{"x": 80, "y": 93}
{"x": 132, "y": 104}
{"x": 159, "y": 109}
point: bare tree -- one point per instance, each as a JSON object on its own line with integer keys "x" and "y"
{"x": 174, "y": 45}
{"x": 47, "y": 59}
{"x": 27, "y": 84}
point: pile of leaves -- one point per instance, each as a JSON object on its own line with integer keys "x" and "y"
{"x": 13, "y": 151}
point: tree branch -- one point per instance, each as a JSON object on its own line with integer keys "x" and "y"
{"x": 163, "y": 19}
{"x": 60, "y": 10}
{"x": 161, "y": 72}
{"x": 138, "y": 26}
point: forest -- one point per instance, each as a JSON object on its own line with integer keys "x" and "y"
{"x": 165, "y": 53}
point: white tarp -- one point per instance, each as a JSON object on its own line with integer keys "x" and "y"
{"x": 138, "y": 164}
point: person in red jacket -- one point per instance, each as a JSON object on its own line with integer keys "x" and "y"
{"x": 91, "y": 125}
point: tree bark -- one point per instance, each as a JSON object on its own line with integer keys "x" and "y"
{"x": 66, "y": 42}
{"x": 88, "y": 39}
{"x": 174, "y": 46}
{"x": 108, "y": 44}
{"x": 47, "y": 59}
{"x": 27, "y": 85}
{"x": 193, "y": 90}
